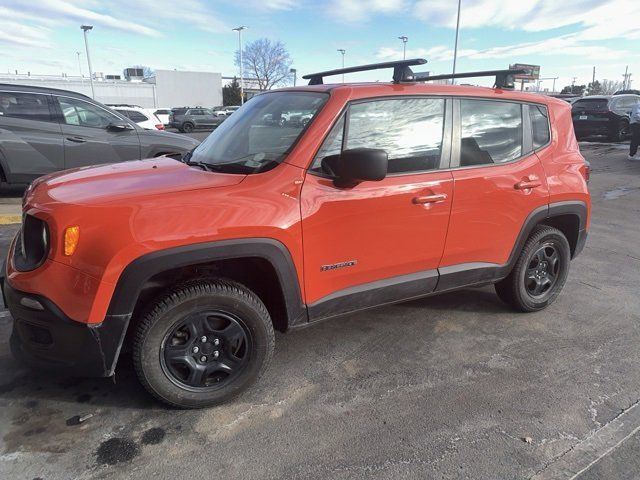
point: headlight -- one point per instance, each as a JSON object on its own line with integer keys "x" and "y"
{"x": 32, "y": 245}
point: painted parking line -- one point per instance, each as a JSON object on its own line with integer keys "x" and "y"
{"x": 10, "y": 219}
{"x": 5, "y": 313}
{"x": 600, "y": 443}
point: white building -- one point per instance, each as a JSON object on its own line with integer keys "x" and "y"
{"x": 167, "y": 88}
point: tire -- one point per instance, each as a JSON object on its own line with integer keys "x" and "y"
{"x": 536, "y": 280}
{"x": 181, "y": 368}
{"x": 187, "y": 127}
{"x": 620, "y": 132}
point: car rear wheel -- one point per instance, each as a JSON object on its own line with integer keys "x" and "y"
{"x": 620, "y": 132}
{"x": 203, "y": 344}
{"x": 187, "y": 127}
{"x": 540, "y": 271}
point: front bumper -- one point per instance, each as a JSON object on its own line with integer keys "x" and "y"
{"x": 45, "y": 338}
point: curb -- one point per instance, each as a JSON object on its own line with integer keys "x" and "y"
{"x": 10, "y": 219}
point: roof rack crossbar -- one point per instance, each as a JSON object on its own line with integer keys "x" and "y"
{"x": 504, "y": 78}
{"x": 401, "y": 70}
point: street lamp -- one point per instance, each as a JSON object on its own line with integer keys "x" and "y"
{"x": 295, "y": 75}
{"x": 85, "y": 29}
{"x": 404, "y": 39}
{"x": 239, "y": 30}
{"x": 455, "y": 48}
{"x": 342, "y": 51}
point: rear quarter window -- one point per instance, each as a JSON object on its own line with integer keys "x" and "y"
{"x": 539, "y": 125}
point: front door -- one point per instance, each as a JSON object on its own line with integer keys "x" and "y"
{"x": 88, "y": 140}
{"x": 378, "y": 242}
{"x": 499, "y": 182}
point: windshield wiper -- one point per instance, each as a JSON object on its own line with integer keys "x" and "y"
{"x": 204, "y": 166}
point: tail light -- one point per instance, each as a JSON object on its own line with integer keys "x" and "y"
{"x": 160, "y": 126}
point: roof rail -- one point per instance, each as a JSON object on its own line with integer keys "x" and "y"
{"x": 505, "y": 79}
{"x": 401, "y": 71}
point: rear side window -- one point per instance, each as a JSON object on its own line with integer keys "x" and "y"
{"x": 539, "y": 125}
{"x": 26, "y": 106}
{"x": 491, "y": 132}
{"x": 162, "y": 112}
{"x": 136, "y": 116}
{"x": 409, "y": 130}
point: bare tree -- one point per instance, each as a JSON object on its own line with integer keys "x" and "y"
{"x": 609, "y": 87}
{"x": 268, "y": 61}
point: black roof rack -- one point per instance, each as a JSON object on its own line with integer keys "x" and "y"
{"x": 401, "y": 71}
{"x": 504, "y": 78}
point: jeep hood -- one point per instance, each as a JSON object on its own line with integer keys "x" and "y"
{"x": 126, "y": 180}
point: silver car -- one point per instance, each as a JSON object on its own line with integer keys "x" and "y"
{"x": 43, "y": 130}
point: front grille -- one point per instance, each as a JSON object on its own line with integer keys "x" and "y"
{"x": 32, "y": 244}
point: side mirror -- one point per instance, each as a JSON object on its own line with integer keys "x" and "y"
{"x": 119, "y": 127}
{"x": 360, "y": 165}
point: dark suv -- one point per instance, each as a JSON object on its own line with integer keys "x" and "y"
{"x": 603, "y": 115}
{"x": 187, "y": 119}
{"x": 43, "y": 130}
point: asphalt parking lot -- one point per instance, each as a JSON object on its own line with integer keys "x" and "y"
{"x": 450, "y": 387}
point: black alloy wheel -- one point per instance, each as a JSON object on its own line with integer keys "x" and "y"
{"x": 540, "y": 271}
{"x": 206, "y": 350}
{"x": 203, "y": 343}
{"x": 187, "y": 127}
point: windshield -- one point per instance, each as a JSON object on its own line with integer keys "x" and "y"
{"x": 259, "y": 135}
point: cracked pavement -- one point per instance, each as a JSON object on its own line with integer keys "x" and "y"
{"x": 445, "y": 387}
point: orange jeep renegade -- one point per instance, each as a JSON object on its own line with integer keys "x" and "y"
{"x": 307, "y": 203}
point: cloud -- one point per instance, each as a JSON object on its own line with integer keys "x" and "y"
{"x": 23, "y": 35}
{"x": 570, "y": 46}
{"x": 358, "y": 10}
{"x": 598, "y": 19}
{"x": 68, "y": 11}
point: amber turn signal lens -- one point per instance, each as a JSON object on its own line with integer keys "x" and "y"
{"x": 71, "y": 237}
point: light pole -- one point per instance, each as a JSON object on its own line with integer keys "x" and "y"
{"x": 342, "y": 51}
{"x": 239, "y": 30}
{"x": 404, "y": 39}
{"x": 455, "y": 48}
{"x": 295, "y": 75}
{"x": 80, "y": 69}
{"x": 85, "y": 29}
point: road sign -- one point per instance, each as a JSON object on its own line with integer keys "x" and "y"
{"x": 533, "y": 72}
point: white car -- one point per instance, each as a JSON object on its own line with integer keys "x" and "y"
{"x": 224, "y": 111}
{"x": 163, "y": 115}
{"x": 142, "y": 116}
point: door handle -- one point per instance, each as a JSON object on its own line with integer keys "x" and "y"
{"x": 528, "y": 183}
{"x": 438, "y": 197}
{"x": 76, "y": 139}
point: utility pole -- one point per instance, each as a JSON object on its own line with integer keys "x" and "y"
{"x": 342, "y": 51}
{"x": 455, "y": 48}
{"x": 593, "y": 79}
{"x": 295, "y": 75}
{"x": 239, "y": 30}
{"x": 404, "y": 39}
{"x": 85, "y": 29}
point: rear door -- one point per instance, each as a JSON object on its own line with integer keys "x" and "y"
{"x": 30, "y": 137}
{"x": 378, "y": 241}
{"x": 498, "y": 181}
{"x": 88, "y": 137}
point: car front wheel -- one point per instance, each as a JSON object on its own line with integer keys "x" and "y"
{"x": 203, "y": 343}
{"x": 540, "y": 271}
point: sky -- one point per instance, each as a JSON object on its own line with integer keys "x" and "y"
{"x": 567, "y": 39}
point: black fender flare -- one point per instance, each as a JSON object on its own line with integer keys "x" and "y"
{"x": 134, "y": 276}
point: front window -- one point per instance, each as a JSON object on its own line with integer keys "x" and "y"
{"x": 259, "y": 135}
{"x": 84, "y": 114}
